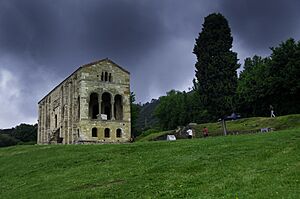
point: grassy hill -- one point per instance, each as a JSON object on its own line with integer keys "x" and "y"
{"x": 241, "y": 126}
{"x": 245, "y": 166}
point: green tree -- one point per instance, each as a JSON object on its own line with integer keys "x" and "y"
{"x": 179, "y": 109}
{"x": 283, "y": 80}
{"x": 134, "y": 114}
{"x": 253, "y": 87}
{"x": 171, "y": 110}
{"x": 6, "y": 140}
{"x": 25, "y": 132}
{"x": 216, "y": 76}
{"x": 194, "y": 110}
{"x": 273, "y": 80}
{"x": 146, "y": 118}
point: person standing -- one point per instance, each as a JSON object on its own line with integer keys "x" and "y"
{"x": 205, "y": 132}
{"x": 272, "y": 111}
{"x": 190, "y": 133}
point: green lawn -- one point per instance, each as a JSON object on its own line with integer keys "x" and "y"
{"x": 245, "y": 166}
{"x": 251, "y": 125}
{"x": 240, "y": 126}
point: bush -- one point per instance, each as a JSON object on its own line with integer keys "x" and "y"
{"x": 27, "y": 143}
{"x": 6, "y": 140}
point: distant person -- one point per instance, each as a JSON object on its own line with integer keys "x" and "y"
{"x": 131, "y": 139}
{"x": 233, "y": 116}
{"x": 205, "y": 132}
{"x": 190, "y": 133}
{"x": 272, "y": 111}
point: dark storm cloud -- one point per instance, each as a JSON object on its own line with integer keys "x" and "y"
{"x": 259, "y": 25}
{"x": 42, "y": 42}
{"x": 128, "y": 29}
{"x": 47, "y": 31}
{"x": 27, "y": 26}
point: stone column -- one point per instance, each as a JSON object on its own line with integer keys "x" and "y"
{"x": 39, "y": 126}
{"x": 65, "y": 115}
{"x": 78, "y": 109}
{"x": 112, "y": 109}
{"x": 41, "y": 123}
{"x": 48, "y": 121}
{"x": 65, "y": 125}
{"x": 61, "y": 118}
{"x": 69, "y": 113}
{"x": 38, "y": 133}
{"x": 44, "y": 123}
{"x": 122, "y": 108}
{"x": 100, "y": 110}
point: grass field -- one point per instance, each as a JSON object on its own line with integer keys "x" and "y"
{"x": 245, "y": 166}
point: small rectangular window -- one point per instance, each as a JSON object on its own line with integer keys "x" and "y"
{"x": 55, "y": 121}
{"x": 94, "y": 132}
{"x": 107, "y": 132}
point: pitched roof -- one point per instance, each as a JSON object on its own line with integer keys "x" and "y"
{"x": 102, "y": 60}
{"x": 85, "y": 65}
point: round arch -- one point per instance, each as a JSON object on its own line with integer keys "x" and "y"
{"x": 118, "y": 107}
{"x": 119, "y": 133}
{"x": 106, "y": 132}
{"x": 106, "y": 107}
{"x": 93, "y": 105}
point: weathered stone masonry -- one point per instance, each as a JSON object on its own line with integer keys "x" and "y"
{"x": 92, "y": 105}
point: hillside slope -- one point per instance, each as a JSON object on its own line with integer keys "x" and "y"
{"x": 254, "y": 124}
{"x": 240, "y": 126}
{"x": 245, "y": 166}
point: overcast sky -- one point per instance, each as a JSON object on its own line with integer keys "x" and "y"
{"x": 44, "y": 41}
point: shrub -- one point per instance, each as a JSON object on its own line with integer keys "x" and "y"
{"x": 6, "y": 140}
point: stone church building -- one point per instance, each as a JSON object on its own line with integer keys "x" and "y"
{"x": 92, "y": 105}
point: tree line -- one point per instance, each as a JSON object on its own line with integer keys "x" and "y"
{"x": 21, "y": 134}
{"x": 218, "y": 91}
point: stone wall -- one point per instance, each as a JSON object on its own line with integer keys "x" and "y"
{"x": 69, "y": 113}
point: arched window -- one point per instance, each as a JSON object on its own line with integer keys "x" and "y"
{"x": 55, "y": 121}
{"x": 94, "y": 132}
{"x": 106, "y": 105}
{"x": 119, "y": 133}
{"x": 59, "y": 139}
{"x": 118, "y": 107}
{"x": 107, "y": 133}
{"x": 93, "y": 106}
{"x": 78, "y": 105}
{"x": 106, "y": 76}
{"x": 110, "y": 77}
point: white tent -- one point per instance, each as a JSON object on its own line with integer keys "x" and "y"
{"x": 171, "y": 137}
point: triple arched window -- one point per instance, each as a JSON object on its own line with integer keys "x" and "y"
{"x": 111, "y": 107}
{"x": 106, "y": 77}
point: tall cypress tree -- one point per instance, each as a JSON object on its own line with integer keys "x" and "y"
{"x": 216, "y": 76}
